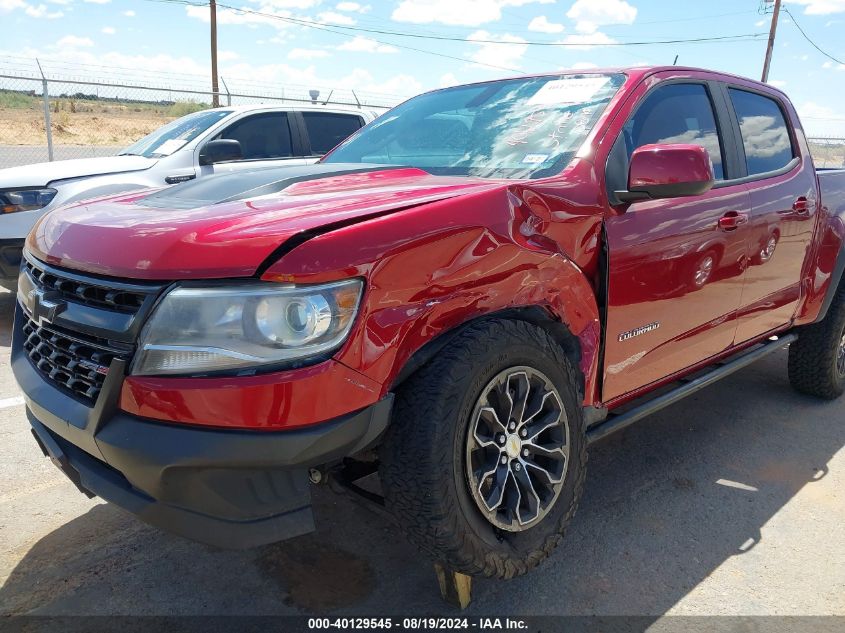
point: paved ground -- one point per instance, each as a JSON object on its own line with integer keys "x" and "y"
{"x": 15, "y": 155}
{"x": 732, "y": 502}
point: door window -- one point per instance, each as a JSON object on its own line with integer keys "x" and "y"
{"x": 765, "y": 135}
{"x": 262, "y": 136}
{"x": 676, "y": 113}
{"x": 327, "y": 129}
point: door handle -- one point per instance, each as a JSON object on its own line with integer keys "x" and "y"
{"x": 801, "y": 206}
{"x": 732, "y": 220}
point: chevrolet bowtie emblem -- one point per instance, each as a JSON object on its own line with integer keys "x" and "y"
{"x": 44, "y": 306}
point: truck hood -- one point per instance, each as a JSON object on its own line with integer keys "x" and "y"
{"x": 228, "y": 225}
{"x": 42, "y": 174}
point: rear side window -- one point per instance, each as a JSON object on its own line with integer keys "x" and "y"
{"x": 326, "y": 129}
{"x": 262, "y": 136}
{"x": 765, "y": 134}
{"x": 676, "y": 113}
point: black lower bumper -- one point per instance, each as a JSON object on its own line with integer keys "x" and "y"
{"x": 233, "y": 489}
{"x": 11, "y": 252}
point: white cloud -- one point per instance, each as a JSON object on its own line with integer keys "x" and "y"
{"x": 541, "y": 24}
{"x": 586, "y": 41}
{"x": 73, "y": 41}
{"x": 501, "y": 55}
{"x": 360, "y": 44}
{"x": 41, "y": 11}
{"x": 11, "y": 5}
{"x": 227, "y": 56}
{"x": 97, "y": 1}
{"x": 286, "y": 4}
{"x": 813, "y": 110}
{"x": 583, "y": 66}
{"x": 108, "y": 30}
{"x": 447, "y": 80}
{"x": 333, "y": 17}
{"x": 129, "y": 14}
{"x": 456, "y": 12}
{"x": 777, "y": 83}
{"x": 589, "y": 15}
{"x": 821, "y": 7}
{"x": 361, "y": 81}
{"x": 761, "y": 23}
{"x": 307, "y": 53}
{"x": 829, "y": 65}
{"x": 227, "y": 16}
{"x": 352, "y": 7}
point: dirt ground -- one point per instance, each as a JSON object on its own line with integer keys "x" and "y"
{"x": 110, "y": 127}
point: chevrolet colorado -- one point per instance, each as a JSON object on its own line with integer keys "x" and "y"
{"x": 194, "y": 146}
{"x": 461, "y": 296}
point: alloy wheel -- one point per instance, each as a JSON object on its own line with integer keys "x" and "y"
{"x": 768, "y": 250}
{"x": 517, "y": 449}
{"x": 704, "y": 271}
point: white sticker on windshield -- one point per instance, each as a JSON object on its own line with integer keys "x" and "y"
{"x": 568, "y": 90}
{"x": 534, "y": 159}
{"x": 168, "y": 147}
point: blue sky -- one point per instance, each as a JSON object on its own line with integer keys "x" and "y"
{"x": 153, "y": 40}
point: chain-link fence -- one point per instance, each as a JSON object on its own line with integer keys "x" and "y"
{"x": 56, "y": 116}
{"x": 828, "y": 152}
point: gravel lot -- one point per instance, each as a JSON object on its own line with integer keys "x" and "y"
{"x": 731, "y": 503}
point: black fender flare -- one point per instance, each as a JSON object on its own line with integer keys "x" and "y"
{"x": 835, "y": 283}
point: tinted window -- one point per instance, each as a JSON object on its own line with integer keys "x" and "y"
{"x": 765, "y": 135}
{"x": 327, "y": 130}
{"x": 677, "y": 113}
{"x": 262, "y": 136}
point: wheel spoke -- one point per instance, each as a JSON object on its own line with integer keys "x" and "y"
{"x": 529, "y": 501}
{"x": 520, "y": 387}
{"x": 549, "y": 476}
{"x": 544, "y": 423}
{"x": 494, "y": 496}
{"x": 548, "y": 400}
{"x": 487, "y": 416}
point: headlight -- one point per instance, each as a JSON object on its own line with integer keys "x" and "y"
{"x": 198, "y": 330}
{"x": 14, "y": 200}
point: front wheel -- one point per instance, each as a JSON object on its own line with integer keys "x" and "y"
{"x": 817, "y": 358}
{"x": 485, "y": 460}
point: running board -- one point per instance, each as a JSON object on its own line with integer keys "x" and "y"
{"x": 620, "y": 421}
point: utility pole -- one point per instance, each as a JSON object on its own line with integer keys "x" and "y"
{"x": 771, "y": 47}
{"x": 215, "y": 99}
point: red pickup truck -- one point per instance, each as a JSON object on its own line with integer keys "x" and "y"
{"x": 460, "y": 297}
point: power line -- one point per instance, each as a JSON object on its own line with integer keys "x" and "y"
{"x": 812, "y": 43}
{"x": 449, "y": 38}
{"x": 322, "y": 27}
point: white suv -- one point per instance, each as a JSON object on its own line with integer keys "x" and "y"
{"x": 199, "y": 144}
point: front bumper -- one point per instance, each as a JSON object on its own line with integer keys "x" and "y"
{"x": 11, "y": 253}
{"x": 228, "y": 488}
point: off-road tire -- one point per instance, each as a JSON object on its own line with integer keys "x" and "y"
{"x": 422, "y": 457}
{"x": 813, "y": 357}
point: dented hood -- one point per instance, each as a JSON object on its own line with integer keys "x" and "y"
{"x": 227, "y": 225}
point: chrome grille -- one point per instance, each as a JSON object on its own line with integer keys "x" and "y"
{"x": 75, "y": 363}
{"x": 87, "y": 292}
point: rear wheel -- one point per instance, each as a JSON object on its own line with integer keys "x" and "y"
{"x": 817, "y": 358}
{"x": 484, "y": 463}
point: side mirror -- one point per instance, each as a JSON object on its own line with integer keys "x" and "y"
{"x": 668, "y": 171}
{"x": 220, "y": 151}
